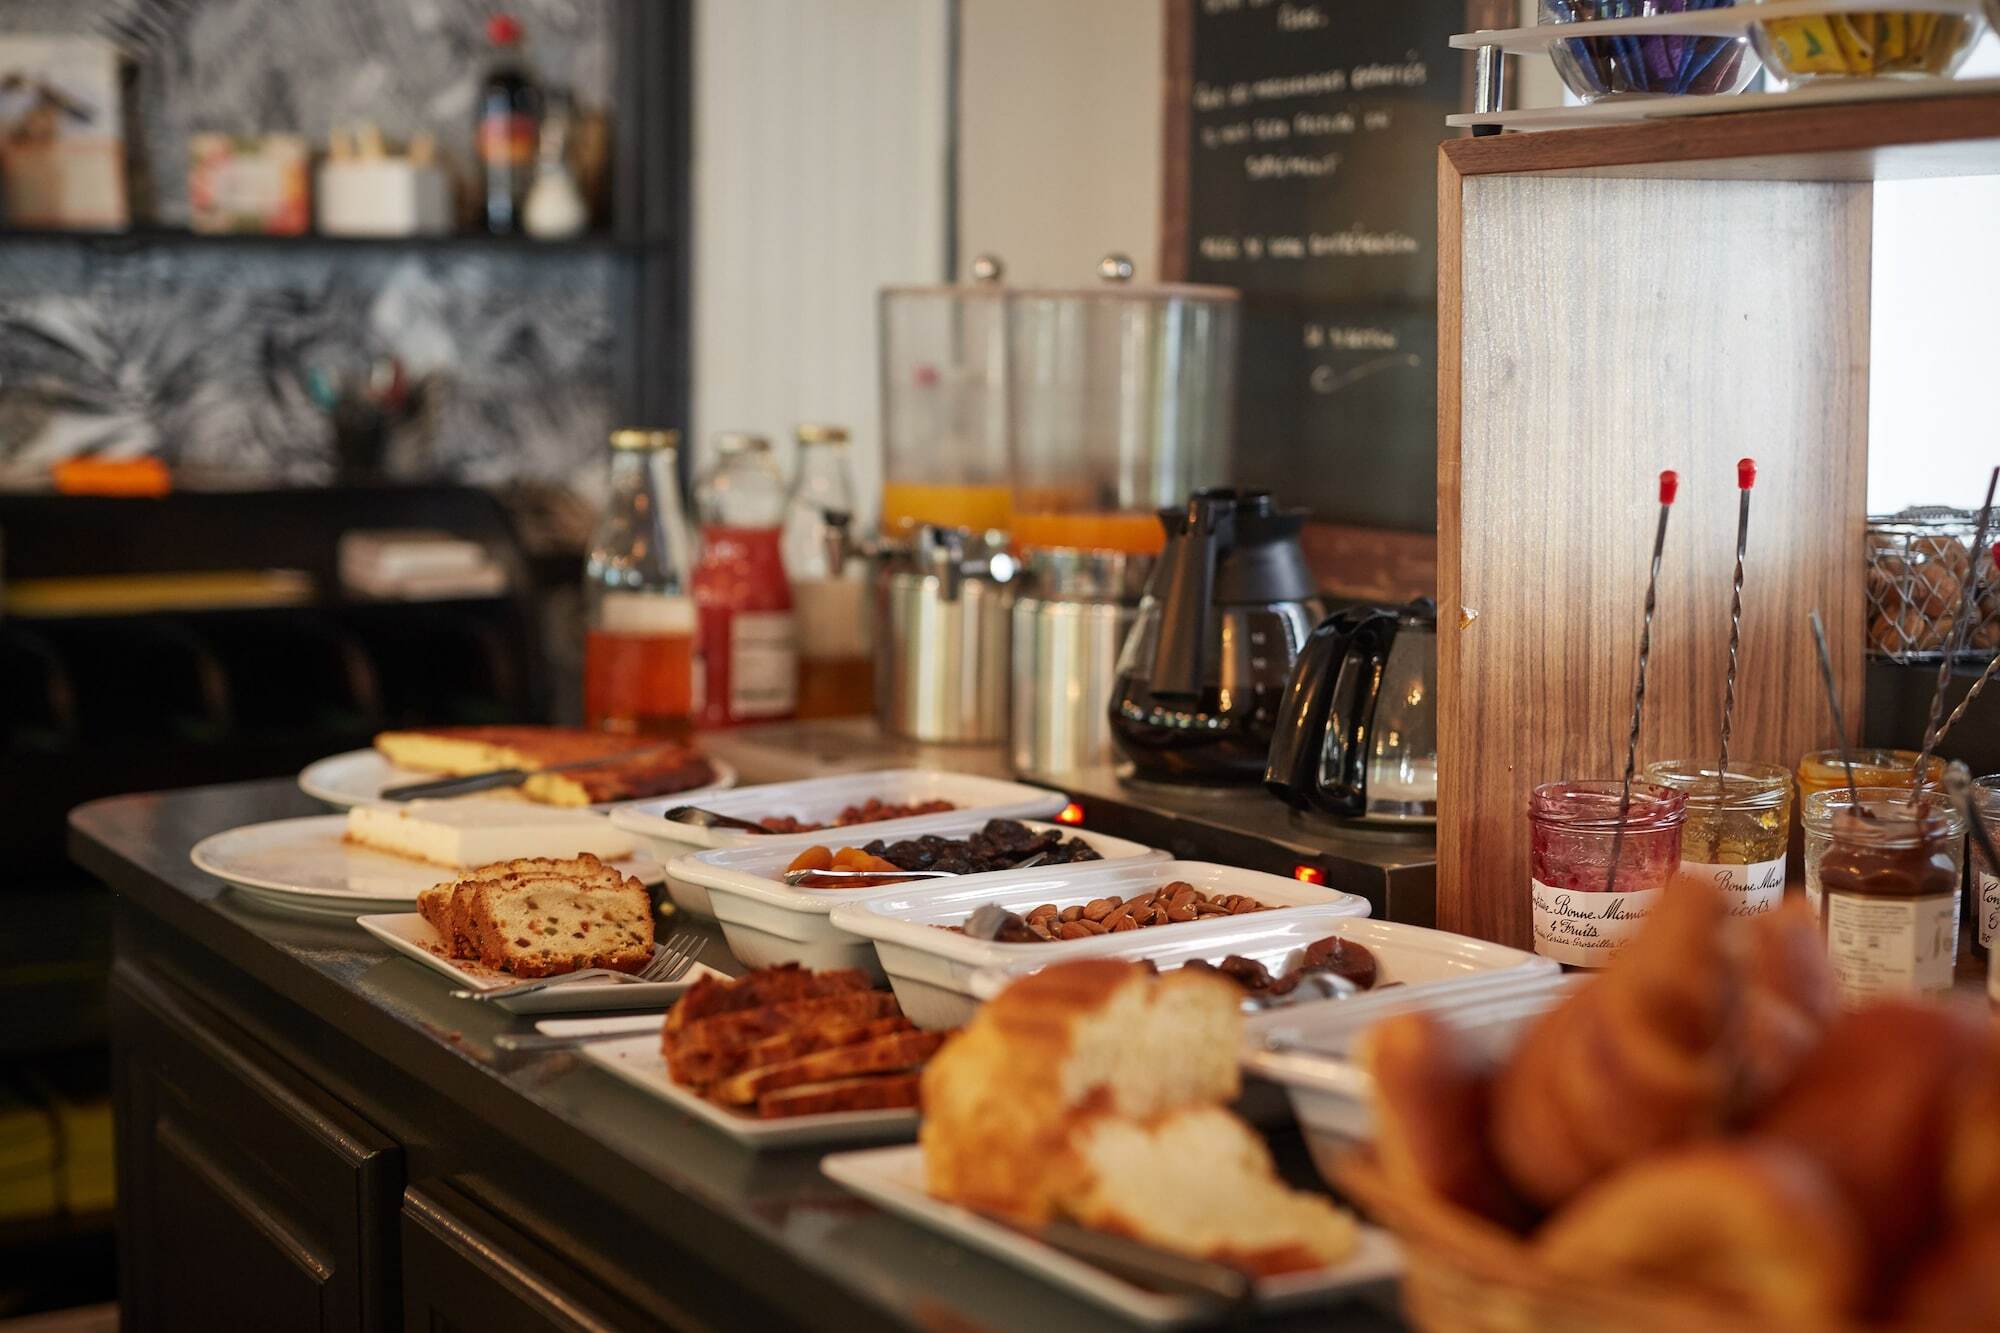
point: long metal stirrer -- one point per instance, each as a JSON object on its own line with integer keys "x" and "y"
{"x": 1746, "y": 477}
{"x": 1967, "y": 601}
{"x": 1670, "y": 484}
{"x": 1833, "y": 705}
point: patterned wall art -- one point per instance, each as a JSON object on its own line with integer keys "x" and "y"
{"x": 224, "y": 358}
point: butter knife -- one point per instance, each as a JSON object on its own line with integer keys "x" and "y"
{"x": 1164, "y": 1271}
{"x": 497, "y": 778}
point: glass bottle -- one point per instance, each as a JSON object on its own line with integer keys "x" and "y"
{"x": 836, "y": 673}
{"x": 1736, "y": 828}
{"x": 749, "y": 636}
{"x": 504, "y": 136}
{"x": 1889, "y": 876}
{"x": 1572, "y": 827}
{"x": 640, "y": 667}
{"x": 1818, "y": 812}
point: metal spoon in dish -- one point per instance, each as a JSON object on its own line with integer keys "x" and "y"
{"x": 696, "y": 817}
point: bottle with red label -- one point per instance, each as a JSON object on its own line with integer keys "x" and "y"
{"x": 505, "y": 135}
{"x": 743, "y": 601}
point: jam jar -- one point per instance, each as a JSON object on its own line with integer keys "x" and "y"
{"x": 1816, "y": 814}
{"x": 1888, "y": 873}
{"x": 1572, "y": 827}
{"x": 1985, "y": 878}
{"x": 1736, "y": 828}
{"x": 1822, "y": 770}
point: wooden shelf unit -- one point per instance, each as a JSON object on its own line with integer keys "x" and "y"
{"x": 1613, "y": 302}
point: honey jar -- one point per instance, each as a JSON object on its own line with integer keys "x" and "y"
{"x": 1736, "y": 829}
{"x": 1582, "y": 915}
{"x": 1888, "y": 870}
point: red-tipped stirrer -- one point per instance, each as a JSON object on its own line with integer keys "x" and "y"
{"x": 1746, "y": 477}
{"x": 1967, "y": 601}
{"x": 1670, "y": 485}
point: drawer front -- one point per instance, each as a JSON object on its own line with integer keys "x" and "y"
{"x": 248, "y": 1197}
{"x": 464, "y": 1271}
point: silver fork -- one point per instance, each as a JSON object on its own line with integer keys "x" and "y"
{"x": 671, "y": 961}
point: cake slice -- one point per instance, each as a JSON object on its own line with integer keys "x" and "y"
{"x": 652, "y": 768}
{"x": 542, "y": 925}
{"x": 461, "y": 834}
{"x": 585, "y": 870}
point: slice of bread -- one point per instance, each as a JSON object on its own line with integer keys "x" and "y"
{"x": 1199, "y": 1181}
{"x": 881, "y": 1055}
{"x": 542, "y": 926}
{"x": 871, "y": 1092}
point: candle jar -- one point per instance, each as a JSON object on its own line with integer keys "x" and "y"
{"x": 1816, "y": 817}
{"x": 1582, "y": 915}
{"x": 1736, "y": 828}
{"x": 1889, "y": 876}
{"x": 1985, "y": 878}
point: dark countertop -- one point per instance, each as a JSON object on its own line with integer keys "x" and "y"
{"x": 770, "y": 1222}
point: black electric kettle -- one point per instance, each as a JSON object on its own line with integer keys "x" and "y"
{"x": 1357, "y": 737}
{"x": 1206, "y": 664}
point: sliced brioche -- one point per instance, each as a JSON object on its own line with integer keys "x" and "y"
{"x": 1199, "y": 1181}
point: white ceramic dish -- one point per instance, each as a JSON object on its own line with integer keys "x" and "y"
{"x": 768, "y": 922}
{"x": 359, "y": 776}
{"x": 639, "y": 1062}
{"x": 932, "y": 969}
{"x": 1308, "y": 1050}
{"x": 308, "y": 861}
{"x": 893, "y": 1179}
{"x": 1409, "y": 960}
{"x": 816, "y": 800}
{"x": 409, "y": 934}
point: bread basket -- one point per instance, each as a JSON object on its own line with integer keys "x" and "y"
{"x": 1461, "y": 1274}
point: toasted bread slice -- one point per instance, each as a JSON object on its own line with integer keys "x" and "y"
{"x": 772, "y": 985}
{"x": 869, "y": 1092}
{"x": 901, "y": 1050}
{"x": 705, "y": 1065}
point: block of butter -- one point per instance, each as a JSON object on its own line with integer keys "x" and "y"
{"x": 466, "y": 833}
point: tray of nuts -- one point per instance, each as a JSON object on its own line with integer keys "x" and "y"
{"x": 931, "y": 941}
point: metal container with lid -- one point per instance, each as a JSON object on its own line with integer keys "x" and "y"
{"x": 943, "y": 601}
{"x": 1071, "y": 615}
{"x": 1120, "y": 402}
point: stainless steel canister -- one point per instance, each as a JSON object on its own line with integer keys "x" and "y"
{"x": 1071, "y": 615}
{"x": 941, "y": 667}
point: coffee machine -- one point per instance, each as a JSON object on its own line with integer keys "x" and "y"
{"x": 1121, "y": 400}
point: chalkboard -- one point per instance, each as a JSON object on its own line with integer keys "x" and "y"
{"x": 1302, "y": 141}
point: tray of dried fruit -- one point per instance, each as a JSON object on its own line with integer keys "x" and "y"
{"x": 768, "y": 921}
{"x": 870, "y": 803}
{"x": 923, "y": 947}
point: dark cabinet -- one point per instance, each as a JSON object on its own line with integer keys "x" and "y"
{"x": 250, "y": 1199}
{"x": 465, "y": 1271}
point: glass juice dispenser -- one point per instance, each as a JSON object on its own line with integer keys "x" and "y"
{"x": 943, "y": 566}
{"x": 1121, "y": 402}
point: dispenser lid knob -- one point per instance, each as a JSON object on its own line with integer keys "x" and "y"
{"x": 1115, "y": 268}
{"x": 988, "y": 268}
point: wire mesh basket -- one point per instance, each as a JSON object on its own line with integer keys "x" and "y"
{"x": 1918, "y": 564}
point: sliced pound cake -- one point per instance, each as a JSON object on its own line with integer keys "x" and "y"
{"x": 540, "y": 918}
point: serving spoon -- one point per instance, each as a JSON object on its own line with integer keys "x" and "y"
{"x": 696, "y": 817}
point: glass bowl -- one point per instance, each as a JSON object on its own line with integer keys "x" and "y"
{"x": 1653, "y": 65}
{"x": 1864, "y": 43}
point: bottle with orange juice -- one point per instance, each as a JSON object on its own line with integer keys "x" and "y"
{"x": 640, "y": 662}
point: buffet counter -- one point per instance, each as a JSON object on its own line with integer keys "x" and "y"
{"x": 312, "y": 1132}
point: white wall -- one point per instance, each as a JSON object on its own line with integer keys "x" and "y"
{"x": 1061, "y": 106}
{"x": 820, "y": 176}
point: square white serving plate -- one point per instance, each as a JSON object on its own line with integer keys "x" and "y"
{"x": 932, "y": 969}
{"x": 816, "y": 800}
{"x": 308, "y": 862}
{"x": 1409, "y": 960}
{"x": 409, "y": 934}
{"x": 359, "y": 776}
{"x": 639, "y": 1061}
{"x": 893, "y": 1179}
{"x": 1309, "y": 1050}
{"x": 768, "y": 922}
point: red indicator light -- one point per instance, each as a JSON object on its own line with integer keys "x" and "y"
{"x": 1070, "y": 814}
{"x": 1308, "y": 874}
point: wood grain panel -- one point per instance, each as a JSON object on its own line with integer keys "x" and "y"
{"x": 1604, "y": 330}
{"x": 1947, "y": 135}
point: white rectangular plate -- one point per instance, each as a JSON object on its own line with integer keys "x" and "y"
{"x": 408, "y": 933}
{"x": 639, "y": 1062}
{"x": 893, "y": 1179}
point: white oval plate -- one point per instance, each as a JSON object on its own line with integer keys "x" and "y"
{"x": 358, "y": 777}
{"x": 309, "y": 859}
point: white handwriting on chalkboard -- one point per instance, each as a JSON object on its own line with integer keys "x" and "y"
{"x": 1289, "y": 166}
{"x": 1413, "y": 73}
{"x": 1327, "y": 380}
{"x": 1357, "y": 242}
{"x": 1343, "y": 338}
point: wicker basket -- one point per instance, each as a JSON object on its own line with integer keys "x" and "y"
{"x": 1918, "y": 562}
{"x": 1464, "y": 1275}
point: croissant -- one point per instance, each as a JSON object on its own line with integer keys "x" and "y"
{"x": 1430, "y": 1121}
{"x": 1639, "y": 1059}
